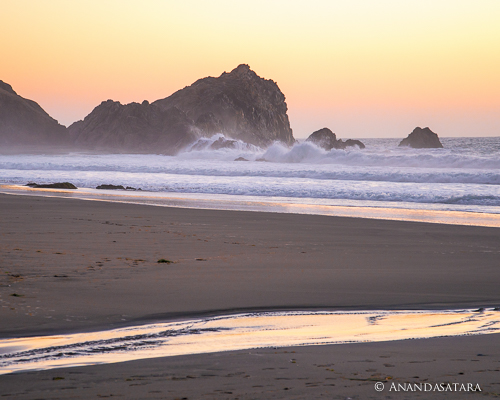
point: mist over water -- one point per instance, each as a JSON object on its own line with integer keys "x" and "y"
{"x": 464, "y": 176}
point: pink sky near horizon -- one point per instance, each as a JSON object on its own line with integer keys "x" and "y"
{"x": 362, "y": 68}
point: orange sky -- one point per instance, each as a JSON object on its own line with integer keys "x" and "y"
{"x": 362, "y": 68}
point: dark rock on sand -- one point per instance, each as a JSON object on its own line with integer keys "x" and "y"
{"x": 58, "y": 185}
{"x": 111, "y": 187}
{"x": 327, "y": 140}
{"x": 241, "y": 159}
{"x": 24, "y": 123}
{"x": 422, "y": 139}
{"x": 239, "y": 104}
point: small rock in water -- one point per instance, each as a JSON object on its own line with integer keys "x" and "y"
{"x": 422, "y": 139}
{"x": 240, "y": 159}
{"x": 327, "y": 140}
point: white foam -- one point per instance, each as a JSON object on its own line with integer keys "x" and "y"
{"x": 461, "y": 174}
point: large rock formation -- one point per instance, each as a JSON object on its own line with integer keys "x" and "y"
{"x": 422, "y": 139}
{"x": 239, "y": 104}
{"x": 134, "y": 127}
{"x": 327, "y": 140}
{"x": 24, "y": 123}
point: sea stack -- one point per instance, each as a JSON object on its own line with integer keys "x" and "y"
{"x": 239, "y": 104}
{"x": 327, "y": 140}
{"x": 422, "y": 139}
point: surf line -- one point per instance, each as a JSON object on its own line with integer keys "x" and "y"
{"x": 290, "y": 205}
{"x": 239, "y": 332}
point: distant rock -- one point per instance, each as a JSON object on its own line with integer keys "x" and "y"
{"x": 327, "y": 140}
{"x": 239, "y": 104}
{"x": 422, "y": 139}
{"x": 241, "y": 159}
{"x": 24, "y": 123}
{"x": 58, "y": 185}
{"x": 323, "y": 138}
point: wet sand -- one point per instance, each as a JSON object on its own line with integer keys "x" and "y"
{"x": 70, "y": 265}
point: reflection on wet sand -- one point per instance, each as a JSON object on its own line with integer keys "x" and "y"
{"x": 264, "y": 204}
{"x": 237, "y": 332}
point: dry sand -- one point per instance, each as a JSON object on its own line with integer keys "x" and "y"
{"x": 79, "y": 265}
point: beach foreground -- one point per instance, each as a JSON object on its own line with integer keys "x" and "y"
{"x": 311, "y": 372}
{"x": 71, "y": 266}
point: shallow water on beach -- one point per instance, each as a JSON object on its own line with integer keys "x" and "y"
{"x": 239, "y": 332}
{"x": 397, "y": 212}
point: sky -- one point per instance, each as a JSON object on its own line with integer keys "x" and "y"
{"x": 362, "y": 68}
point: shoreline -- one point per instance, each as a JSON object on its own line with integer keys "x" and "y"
{"x": 266, "y": 204}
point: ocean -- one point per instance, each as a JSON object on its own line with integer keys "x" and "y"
{"x": 464, "y": 176}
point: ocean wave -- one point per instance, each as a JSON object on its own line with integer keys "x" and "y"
{"x": 156, "y": 164}
{"x": 296, "y": 187}
{"x": 458, "y": 175}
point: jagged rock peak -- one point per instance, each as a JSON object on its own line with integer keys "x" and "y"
{"x": 5, "y": 86}
{"x": 422, "y": 139}
{"x": 25, "y": 125}
{"x": 242, "y": 71}
{"x": 239, "y": 104}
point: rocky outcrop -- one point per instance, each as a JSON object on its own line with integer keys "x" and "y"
{"x": 57, "y": 185}
{"x": 24, "y": 123}
{"x": 327, "y": 140}
{"x": 239, "y": 104}
{"x": 134, "y": 127}
{"x": 422, "y": 139}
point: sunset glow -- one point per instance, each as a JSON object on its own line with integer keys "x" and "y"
{"x": 362, "y": 68}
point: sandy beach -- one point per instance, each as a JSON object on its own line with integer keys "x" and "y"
{"x": 71, "y": 265}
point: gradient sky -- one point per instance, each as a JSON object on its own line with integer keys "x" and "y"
{"x": 362, "y": 68}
